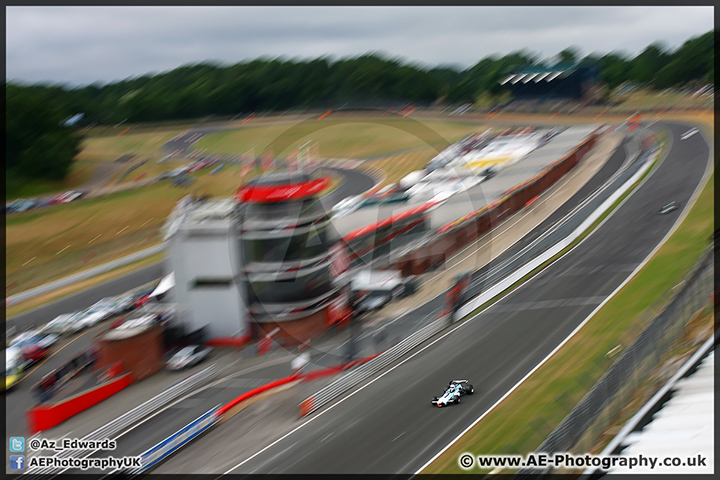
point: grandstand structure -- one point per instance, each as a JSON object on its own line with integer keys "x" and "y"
{"x": 542, "y": 87}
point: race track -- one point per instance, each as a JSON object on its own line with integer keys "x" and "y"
{"x": 389, "y": 426}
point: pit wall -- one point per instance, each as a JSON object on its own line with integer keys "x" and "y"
{"x": 457, "y": 235}
{"x": 46, "y": 416}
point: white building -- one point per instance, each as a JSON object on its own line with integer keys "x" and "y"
{"x": 203, "y": 254}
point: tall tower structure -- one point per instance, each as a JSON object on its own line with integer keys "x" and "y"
{"x": 285, "y": 258}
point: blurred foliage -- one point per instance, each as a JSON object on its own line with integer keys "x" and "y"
{"x": 37, "y": 146}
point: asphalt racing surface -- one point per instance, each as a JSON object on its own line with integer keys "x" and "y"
{"x": 169, "y": 421}
{"x": 559, "y": 224}
{"x": 389, "y": 425}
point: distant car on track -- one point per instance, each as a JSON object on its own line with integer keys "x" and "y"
{"x": 668, "y": 207}
{"x": 454, "y": 391}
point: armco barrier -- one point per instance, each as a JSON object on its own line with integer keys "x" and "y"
{"x": 218, "y": 414}
{"x": 310, "y": 376}
{"x": 116, "y": 426}
{"x": 44, "y": 416}
{"x": 178, "y": 439}
{"x": 500, "y": 286}
{"x": 346, "y": 382}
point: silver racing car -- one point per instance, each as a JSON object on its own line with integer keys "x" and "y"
{"x": 454, "y": 391}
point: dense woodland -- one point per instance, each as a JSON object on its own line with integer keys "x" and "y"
{"x": 38, "y": 146}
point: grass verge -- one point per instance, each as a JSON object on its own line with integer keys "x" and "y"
{"x": 525, "y": 418}
{"x": 44, "y": 245}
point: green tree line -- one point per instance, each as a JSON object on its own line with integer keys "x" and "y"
{"x": 37, "y": 144}
{"x": 203, "y": 89}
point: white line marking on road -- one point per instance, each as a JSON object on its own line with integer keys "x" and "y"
{"x": 124, "y": 228}
{"x": 29, "y": 261}
{"x": 689, "y": 133}
{"x": 403, "y": 433}
{"x": 58, "y": 253}
{"x": 489, "y": 308}
{"x": 680, "y": 219}
{"x": 612, "y": 351}
{"x": 94, "y": 239}
{"x": 502, "y": 228}
{"x": 186, "y": 396}
{"x": 146, "y": 222}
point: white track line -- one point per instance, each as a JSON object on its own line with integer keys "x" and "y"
{"x": 182, "y": 399}
{"x": 675, "y": 226}
{"x": 318, "y": 415}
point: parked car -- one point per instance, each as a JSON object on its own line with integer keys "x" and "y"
{"x": 373, "y": 301}
{"x": 141, "y": 297}
{"x": 188, "y": 357}
{"x": 21, "y": 205}
{"x": 33, "y": 337}
{"x": 14, "y": 367}
{"x": 71, "y": 196}
{"x": 59, "y": 324}
{"x": 123, "y": 304}
{"x": 35, "y": 352}
{"x": 72, "y": 325}
{"x": 14, "y": 205}
{"x": 109, "y": 303}
{"x": 55, "y": 199}
{"x": 98, "y": 313}
{"x": 33, "y": 347}
{"x": 373, "y": 289}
